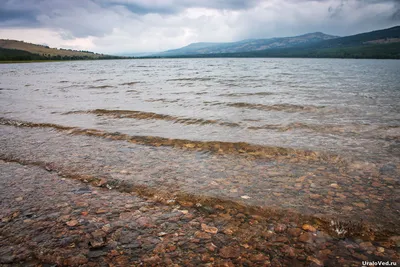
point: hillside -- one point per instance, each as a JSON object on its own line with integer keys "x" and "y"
{"x": 376, "y": 44}
{"x": 248, "y": 45}
{"x": 11, "y": 50}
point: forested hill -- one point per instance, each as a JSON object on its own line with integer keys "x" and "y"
{"x": 12, "y": 50}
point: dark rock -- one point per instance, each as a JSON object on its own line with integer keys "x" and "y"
{"x": 229, "y": 252}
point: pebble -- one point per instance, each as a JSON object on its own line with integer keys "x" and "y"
{"x": 294, "y": 231}
{"x": 209, "y": 229}
{"x": 308, "y": 227}
{"x": 229, "y": 252}
{"x": 334, "y": 185}
{"x": 279, "y": 228}
{"x": 72, "y": 223}
{"x": 305, "y": 238}
{"x": 202, "y": 235}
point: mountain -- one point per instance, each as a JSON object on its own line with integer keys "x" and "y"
{"x": 12, "y": 50}
{"x": 384, "y": 44}
{"x": 248, "y": 45}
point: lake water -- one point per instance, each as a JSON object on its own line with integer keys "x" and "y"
{"x": 333, "y": 108}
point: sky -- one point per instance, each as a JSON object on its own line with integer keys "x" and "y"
{"x": 131, "y": 26}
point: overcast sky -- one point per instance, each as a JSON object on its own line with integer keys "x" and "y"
{"x": 115, "y": 26}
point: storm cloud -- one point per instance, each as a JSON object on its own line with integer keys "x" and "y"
{"x": 114, "y": 26}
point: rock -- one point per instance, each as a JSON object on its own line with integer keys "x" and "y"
{"x": 359, "y": 204}
{"x": 219, "y": 207}
{"x": 315, "y": 196}
{"x": 202, "y": 235}
{"x": 106, "y": 228}
{"x": 149, "y": 261}
{"x": 72, "y": 223}
{"x": 380, "y": 249}
{"x": 211, "y": 247}
{"x": 96, "y": 254}
{"x": 245, "y": 197}
{"x": 19, "y": 199}
{"x": 294, "y": 231}
{"x": 305, "y": 238}
{"x": 101, "y": 183}
{"x": 101, "y": 211}
{"x": 144, "y": 222}
{"x": 281, "y": 239}
{"x": 308, "y": 227}
{"x": 229, "y": 252}
{"x": 259, "y": 257}
{"x": 209, "y": 229}
{"x": 334, "y": 185}
{"x": 97, "y": 243}
{"x": 228, "y": 231}
{"x": 289, "y": 251}
{"x": 279, "y": 228}
{"x": 316, "y": 261}
{"x": 76, "y": 260}
{"x": 186, "y": 204}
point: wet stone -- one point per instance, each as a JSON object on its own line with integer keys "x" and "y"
{"x": 229, "y": 252}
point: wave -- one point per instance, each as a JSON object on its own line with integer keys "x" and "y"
{"x": 101, "y": 86}
{"x": 130, "y": 83}
{"x": 276, "y": 107}
{"x": 190, "y": 79}
{"x": 246, "y": 94}
{"x": 235, "y": 148}
{"x": 141, "y": 115}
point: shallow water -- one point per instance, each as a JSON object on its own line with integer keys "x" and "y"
{"x": 333, "y": 105}
{"x": 318, "y": 136}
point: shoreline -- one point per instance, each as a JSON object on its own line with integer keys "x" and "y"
{"x": 65, "y": 222}
{"x": 77, "y": 159}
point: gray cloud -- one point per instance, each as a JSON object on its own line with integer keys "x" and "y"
{"x": 142, "y": 25}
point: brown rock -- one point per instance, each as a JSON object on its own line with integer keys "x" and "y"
{"x": 219, "y": 207}
{"x": 229, "y": 252}
{"x": 359, "y": 204}
{"x": 282, "y": 239}
{"x": 308, "y": 227}
{"x": 186, "y": 204}
{"x": 259, "y": 257}
{"x": 101, "y": 182}
{"x": 334, "y": 185}
{"x": 211, "y": 247}
{"x": 315, "y": 196}
{"x": 316, "y": 261}
{"x": 294, "y": 231}
{"x": 76, "y": 260}
{"x": 144, "y": 222}
{"x": 209, "y": 229}
{"x": 149, "y": 261}
{"x": 72, "y": 223}
{"x": 305, "y": 238}
{"x": 279, "y": 228}
{"x": 202, "y": 235}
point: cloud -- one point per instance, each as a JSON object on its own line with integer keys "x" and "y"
{"x": 113, "y": 26}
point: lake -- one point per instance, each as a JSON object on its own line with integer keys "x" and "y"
{"x": 317, "y": 137}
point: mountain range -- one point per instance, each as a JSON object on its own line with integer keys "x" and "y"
{"x": 376, "y": 44}
{"x": 248, "y": 45}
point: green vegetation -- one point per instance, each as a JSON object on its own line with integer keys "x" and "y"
{"x": 18, "y": 51}
{"x": 14, "y": 55}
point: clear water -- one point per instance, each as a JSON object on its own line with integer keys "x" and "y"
{"x": 343, "y": 107}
